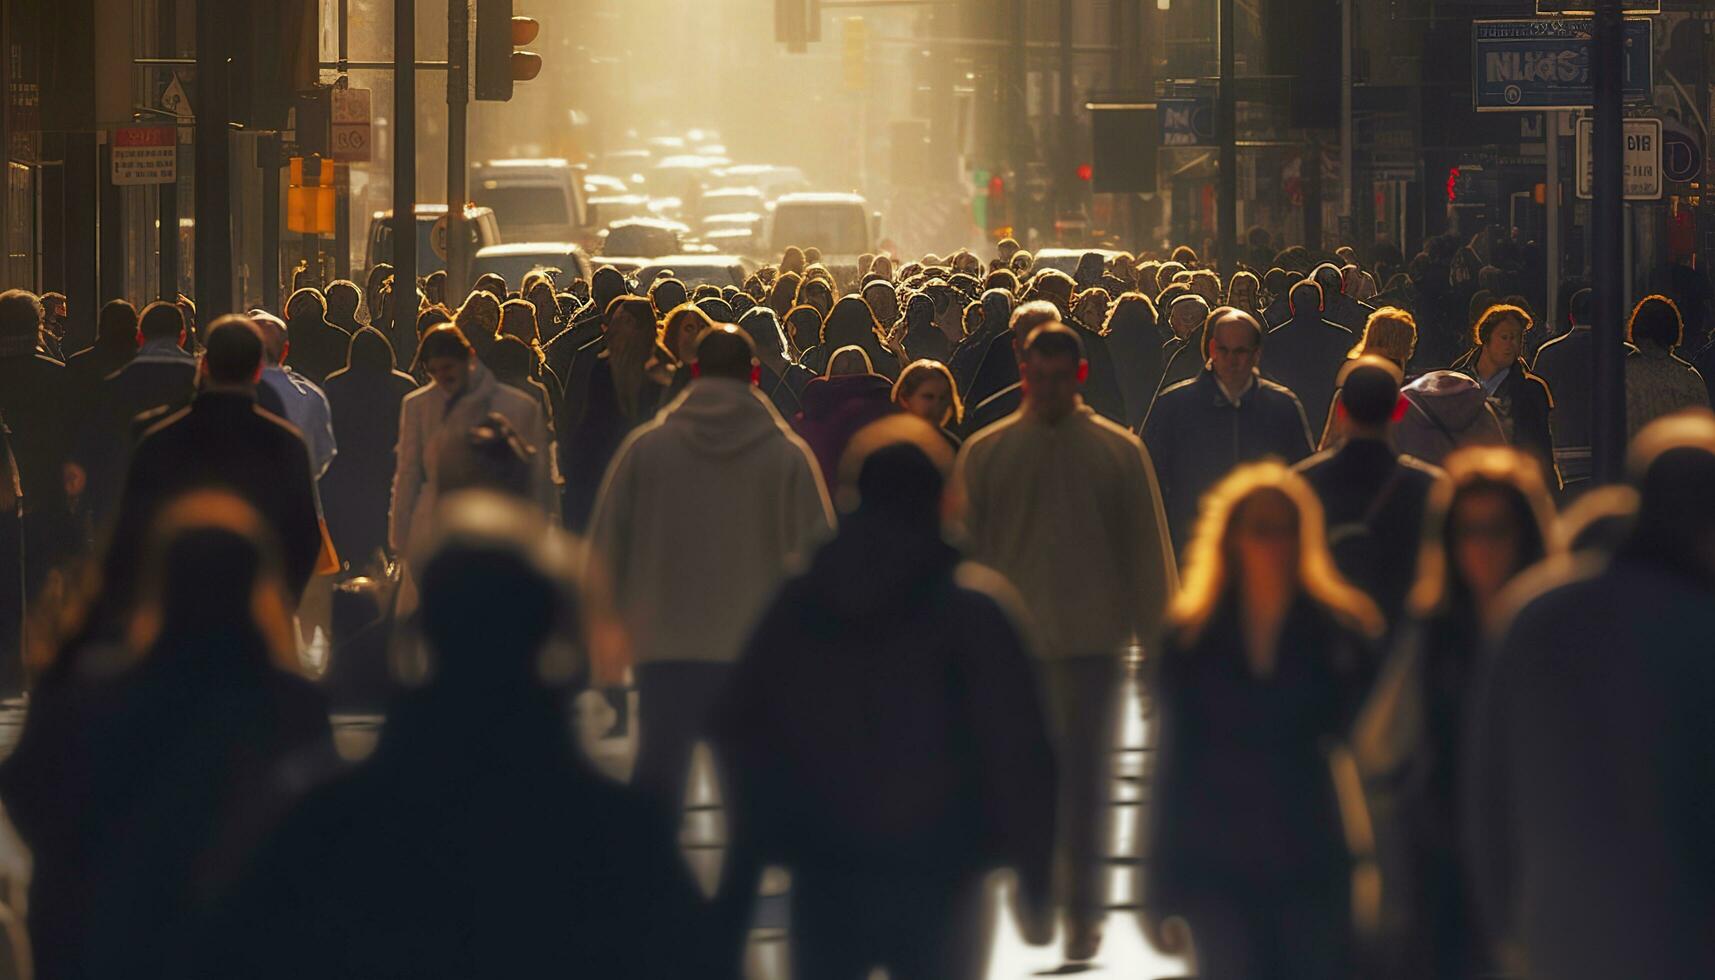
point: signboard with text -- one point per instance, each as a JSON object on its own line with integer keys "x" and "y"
{"x": 1186, "y": 122}
{"x": 1640, "y": 161}
{"x": 350, "y": 110}
{"x": 146, "y": 155}
{"x": 1545, "y": 64}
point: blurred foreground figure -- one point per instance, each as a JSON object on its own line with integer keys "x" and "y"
{"x": 1266, "y": 659}
{"x": 1592, "y": 756}
{"x": 141, "y": 767}
{"x": 886, "y": 743}
{"x": 476, "y": 841}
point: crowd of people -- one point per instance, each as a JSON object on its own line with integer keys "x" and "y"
{"x": 887, "y": 539}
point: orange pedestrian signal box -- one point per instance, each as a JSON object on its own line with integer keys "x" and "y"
{"x": 310, "y": 196}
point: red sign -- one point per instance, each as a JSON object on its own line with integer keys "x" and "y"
{"x": 146, "y": 155}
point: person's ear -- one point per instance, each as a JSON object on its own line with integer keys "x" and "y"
{"x": 696, "y": 369}
{"x": 1083, "y": 371}
{"x": 1399, "y": 408}
{"x": 755, "y": 374}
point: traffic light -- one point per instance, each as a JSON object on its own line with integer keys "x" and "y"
{"x": 498, "y": 62}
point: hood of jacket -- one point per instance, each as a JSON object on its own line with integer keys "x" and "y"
{"x": 369, "y": 352}
{"x": 825, "y": 397}
{"x": 1451, "y": 397}
{"x": 721, "y": 417}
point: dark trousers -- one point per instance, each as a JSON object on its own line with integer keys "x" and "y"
{"x": 920, "y": 926}
{"x": 674, "y": 699}
{"x": 1083, "y": 701}
{"x": 1261, "y": 930}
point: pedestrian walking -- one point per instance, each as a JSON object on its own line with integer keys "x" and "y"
{"x": 1658, "y": 382}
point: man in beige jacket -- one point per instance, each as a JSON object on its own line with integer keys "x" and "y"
{"x": 1064, "y": 503}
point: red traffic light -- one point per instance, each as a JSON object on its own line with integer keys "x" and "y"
{"x": 1086, "y": 172}
{"x": 997, "y": 186}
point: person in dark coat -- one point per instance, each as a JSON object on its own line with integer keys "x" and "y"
{"x": 1589, "y": 761}
{"x": 1522, "y": 401}
{"x": 364, "y": 399}
{"x": 923, "y": 340}
{"x": 476, "y": 840}
{"x": 222, "y": 439}
{"x": 34, "y": 405}
{"x": 1135, "y": 343}
{"x": 626, "y": 385}
{"x": 1373, "y": 497}
{"x": 1186, "y": 350}
{"x": 777, "y": 377}
{"x": 1338, "y": 307}
{"x": 344, "y": 300}
{"x": 1306, "y": 352}
{"x": 1488, "y": 522}
{"x": 1101, "y": 387}
{"x": 1564, "y": 365}
{"x": 1265, "y": 663}
{"x": 835, "y": 408}
{"x": 146, "y": 770}
{"x": 115, "y": 344}
{"x": 317, "y": 346}
{"x": 967, "y": 357}
{"x": 1200, "y": 429}
{"x": 607, "y": 285}
{"x": 1003, "y": 401}
{"x": 850, "y": 323}
{"x": 890, "y": 830}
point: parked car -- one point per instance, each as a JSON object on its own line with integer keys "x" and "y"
{"x": 695, "y": 270}
{"x": 514, "y": 260}
{"x": 645, "y": 237}
{"x": 480, "y": 225}
{"x": 534, "y": 200}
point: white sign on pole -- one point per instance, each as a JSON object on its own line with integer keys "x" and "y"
{"x": 1641, "y": 160}
{"x": 145, "y": 155}
{"x": 351, "y": 130}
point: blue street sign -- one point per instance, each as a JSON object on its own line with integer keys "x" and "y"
{"x": 1186, "y": 122}
{"x": 1545, "y": 64}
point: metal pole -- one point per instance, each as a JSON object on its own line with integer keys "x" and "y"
{"x": 458, "y": 103}
{"x": 1608, "y": 385}
{"x": 167, "y": 196}
{"x": 1348, "y": 179}
{"x": 6, "y": 160}
{"x": 1551, "y": 215}
{"x": 404, "y": 164}
{"x": 1227, "y": 124}
{"x": 342, "y": 178}
{"x": 214, "y": 159}
{"x": 1063, "y": 153}
{"x": 268, "y": 155}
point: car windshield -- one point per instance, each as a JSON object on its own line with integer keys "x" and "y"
{"x": 641, "y": 240}
{"x": 836, "y": 229}
{"x": 515, "y": 205}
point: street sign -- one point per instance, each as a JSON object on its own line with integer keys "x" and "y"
{"x": 1681, "y": 153}
{"x": 175, "y": 101}
{"x": 1187, "y": 122}
{"x": 1641, "y": 170}
{"x": 351, "y": 128}
{"x": 1545, "y": 64}
{"x": 146, "y": 155}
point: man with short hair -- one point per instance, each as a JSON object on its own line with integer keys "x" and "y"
{"x": 989, "y": 404}
{"x": 344, "y": 297}
{"x": 1373, "y": 497}
{"x": 222, "y": 439}
{"x": 1198, "y": 430}
{"x": 1307, "y": 351}
{"x": 1564, "y": 363}
{"x": 305, "y": 405}
{"x": 702, "y": 513}
{"x": 1064, "y": 503}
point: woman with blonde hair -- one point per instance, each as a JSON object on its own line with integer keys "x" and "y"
{"x": 1265, "y": 661}
{"x": 926, "y": 389}
{"x": 1389, "y": 332}
{"x": 478, "y": 318}
{"x": 1487, "y": 522}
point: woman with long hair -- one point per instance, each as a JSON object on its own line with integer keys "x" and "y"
{"x": 783, "y": 292}
{"x": 1487, "y": 522}
{"x": 926, "y": 389}
{"x": 777, "y": 377}
{"x": 627, "y": 383}
{"x": 478, "y": 318}
{"x": 1389, "y": 332}
{"x": 851, "y": 324}
{"x": 1265, "y": 661}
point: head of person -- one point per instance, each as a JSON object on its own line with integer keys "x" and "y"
{"x": 1006, "y": 248}
{"x": 1242, "y": 290}
{"x": 232, "y": 357}
{"x": 1205, "y": 283}
{"x": 971, "y": 319}
{"x": 1260, "y": 532}
{"x": 899, "y": 483}
{"x": 1488, "y": 521}
{"x": 1500, "y": 333}
{"x": 1578, "y": 307}
{"x": 1052, "y": 371}
{"x": 433, "y": 316}
{"x": 882, "y": 266}
{"x": 1001, "y": 279}
{"x": 1184, "y": 256}
{"x": 20, "y": 321}
{"x": 919, "y": 311}
{"x": 518, "y": 319}
{"x": 479, "y": 317}
{"x": 1306, "y": 298}
{"x": 492, "y": 283}
{"x": 1277, "y": 281}
{"x": 447, "y": 358}
{"x": 849, "y": 360}
{"x": 343, "y": 299}
{"x": 53, "y": 309}
{"x": 716, "y": 308}
{"x": 1351, "y": 279}
{"x": 1327, "y": 275}
{"x": 1186, "y": 312}
{"x": 1234, "y": 343}
{"x": 997, "y": 307}
{"x": 369, "y": 352}
{"x": 1024, "y": 320}
{"x": 763, "y": 328}
{"x": 684, "y": 327}
{"x": 162, "y": 320}
{"x": 667, "y": 293}
{"x": 607, "y": 285}
{"x": 726, "y": 352}
{"x": 1056, "y": 287}
{"x": 815, "y": 291}
{"x": 512, "y": 361}
{"x": 306, "y": 306}
{"x": 1389, "y": 332}
{"x": 782, "y": 293}
{"x": 1091, "y": 307}
{"x": 1090, "y": 268}
{"x": 1021, "y": 263}
{"x": 435, "y": 286}
{"x": 1671, "y": 462}
{"x": 850, "y": 322}
{"x": 803, "y": 327}
{"x": 882, "y": 300}
{"x": 1656, "y": 322}
{"x": 275, "y": 340}
{"x": 1131, "y": 315}
{"x": 926, "y": 389}
{"x": 1369, "y": 400}
{"x": 116, "y": 325}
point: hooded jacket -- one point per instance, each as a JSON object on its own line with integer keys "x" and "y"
{"x": 1445, "y": 410}
{"x": 1524, "y": 406}
{"x": 365, "y": 398}
{"x": 834, "y": 410}
{"x": 700, "y": 518}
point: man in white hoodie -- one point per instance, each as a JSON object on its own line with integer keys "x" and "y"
{"x": 702, "y": 514}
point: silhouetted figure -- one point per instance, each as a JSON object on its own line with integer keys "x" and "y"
{"x": 146, "y": 768}
{"x": 889, "y": 829}
{"x": 850, "y": 323}
{"x": 1521, "y": 400}
{"x": 993, "y": 397}
{"x": 365, "y": 397}
{"x": 34, "y": 405}
{"x": 699, "y": 518}
{"x": 1657, "y": 381}
{"x": 1488, "y": 523}
{"x": 626, "y": 384}
{"x": 967, "y": 357}
{"x": 1136, "y": 345}
{"x": 607, "y": 285}
{"x": 318, "y": 347}
{"x": 115, "y": 344}
{"x": 476, "y": 840}
{"x": 1338, "y": 307}
{"x": 1198, "y": 430}
{"x": 1265, "y": 661}
{"x": 1372, "y": 497}
{"x": 1590, "y": 770}
{"x": 1564, "y": 365}
{"x": 302, "y": 401}
{"x": 923, "y": 340}
{"x": 836, "y": 407}
{"x": 1306, "y": 352}
{"x": 1444, "y": 411}
{"x": 778, "y": 378}
{"x": 1064, "y": 504}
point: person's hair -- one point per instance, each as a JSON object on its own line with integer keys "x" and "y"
{"x": 492, "y": 283}
{"x": 430, "y": 317}
{"x": 1656, "y": 319}
{"x": 851, "y": 321}
{"x": 1369, "y": 389}
{"x": 161, "y": 320}
{"x": 725, "y": 351}
{"x": 518, "y": 319}
{"x": 667, "y": 293}
{"x": 20, "y": 314}
{"x": 1026, "y": 317}
{"x": 763, "y": 328}
{"x": 1497, "y": 314}
{"x": 1185, "y": 255}
{"x": 1001, "y": 279}
{"x": 850, "y": 359}
{"x": 922, "y": 370}
{"x": 1130, "y": 313}
{"x": 1389, "y": 332}
{"x": 343, "y": 297}
{"x": 116, "y": 323}
{"x": 1578, "y": 307}
{"x": 803, "y": 326}
{"x": 1054, "y": 339}
{"x": 1209, "y": 578}
{"x": 233, "y": 352}
{"x": 1302, "y": 293}
{"x": 1470, "y": 471}
{"x": 630, "y": 347}
{"x": 444, "y": 340}
{"x": 685, "y": 316}
{"x": 307, "y": 296}
{"x": 478, "y": 317}
{"x": 815, "y": 291}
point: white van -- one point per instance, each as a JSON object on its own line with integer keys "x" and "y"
{"x": 839, "y": 224}
{"x": 534, "y": 200}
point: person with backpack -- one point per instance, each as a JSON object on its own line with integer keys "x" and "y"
{"x": 1372, "y": 494}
